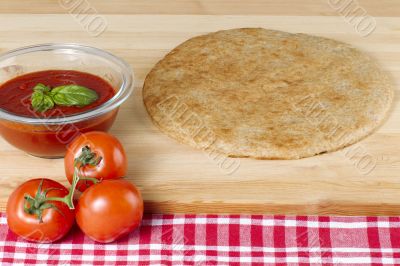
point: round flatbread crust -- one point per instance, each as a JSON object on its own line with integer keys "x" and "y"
{"x": 267, "y": 94}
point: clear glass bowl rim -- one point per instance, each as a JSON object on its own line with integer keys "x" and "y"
{"x": 123, "y": 93}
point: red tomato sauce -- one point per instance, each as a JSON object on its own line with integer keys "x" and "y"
{"x": 15, "y": 94}
{"x": 45, "y": 140}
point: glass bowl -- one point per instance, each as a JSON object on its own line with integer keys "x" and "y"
{"x": 49, "y": 137}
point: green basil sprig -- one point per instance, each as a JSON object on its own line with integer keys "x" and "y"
{"x": 43, "y": 98}
{"x": 41, "y": 101}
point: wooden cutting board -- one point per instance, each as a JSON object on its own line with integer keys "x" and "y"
{"x": 363, "y": 179}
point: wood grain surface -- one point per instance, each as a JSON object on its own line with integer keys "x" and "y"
{"x": 177, "y": 178}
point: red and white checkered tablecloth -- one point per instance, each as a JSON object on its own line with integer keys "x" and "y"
{"x": 223, "y": 240}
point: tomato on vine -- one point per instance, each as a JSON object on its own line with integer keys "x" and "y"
{"x": 33, "y": 215}
{"x": 97, "y": 155}
{"x": 109, "y": 210}
{"x": 42, "y": 210}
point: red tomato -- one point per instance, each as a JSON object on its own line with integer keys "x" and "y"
{"x": 56, "y": 222}
{"x": 109, "y": 210}
{"x": 113, "y": 163}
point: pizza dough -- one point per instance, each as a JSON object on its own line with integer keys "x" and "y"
{"x": 267, "y": 94}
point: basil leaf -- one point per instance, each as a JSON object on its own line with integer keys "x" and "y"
{"x": 41, "y": 101}
{"x": 41, "y": 88}
{"x": 43, "y": 98}
{"x": 73, "y": 95}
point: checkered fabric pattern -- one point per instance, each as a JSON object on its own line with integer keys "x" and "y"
{"x": 222, "y": 240}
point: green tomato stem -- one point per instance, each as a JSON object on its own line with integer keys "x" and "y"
{"x": 92, "y": 179}
{"x": 86, "y": 158}
{"x": 69, "y": 198}
{"x": 64, "y": 200}
{"x": 35, "y": 205}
